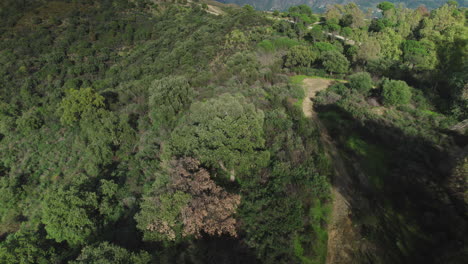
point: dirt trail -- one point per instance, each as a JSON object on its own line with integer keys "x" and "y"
{"x": 342, "y": 236}
{"x": 311, "y": 88}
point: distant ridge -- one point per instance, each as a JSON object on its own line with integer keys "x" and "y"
{"x": 321, "y": 4}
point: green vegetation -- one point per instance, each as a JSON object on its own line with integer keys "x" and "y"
{"x": 106, "y": 253}
{"x": 168, "y": 98}
{"x": 320, "y": 5}
{"x": 225, "y": 133}
{"x": 361, "y": 82}
{"x": 173, "y": 131}
{"x": 335, "y": 62}
{"x": 300, "y": 56}
{"x": 78, "y": 103}
{"x": 395, "y": 92}
{"x": 374, "y": 159}
{"x": 385, "y": 6}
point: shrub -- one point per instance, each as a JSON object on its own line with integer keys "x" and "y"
{"x": 361, "y": 82}
{"x": 335, "y": 62}
{"x": 300, "y": 56}
{"x": 244, "y": 66}
{"x": 30, "y": 120}
{"x": 266, "y": 45}
{"x": 105, "y": 253}
{"x": 324, "y": 46}
{"x": 339, "y": 88}
{"x": 396, "y": 92}
{"x": 285, "y": 43}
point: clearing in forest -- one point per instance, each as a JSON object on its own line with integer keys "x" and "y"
{"x": 311, "y": 88}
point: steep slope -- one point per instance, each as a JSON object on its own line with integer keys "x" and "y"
{"x": 342, "y": 236}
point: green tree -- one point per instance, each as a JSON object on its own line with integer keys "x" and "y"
{"x": 390, "y": 43}
{"x": 361, "y": 82}
{"x": 244, "y": 66}
{"x": 159, "y": 217}
{"x": 236, "y": 39}
{"x": 346, "y": 20}
{"x": 335, "y": 62}
{"x": 300, "y": 56}
{"x": 354, "y": 17}
{"x": 369, "y": 50}
{"x": 396, "y": 92}
{"x": 385, "y": 6}
{"x": 68, "y": 213}
{"x": 301, "y": 15}
{"x": 78, "y": 102}
{"x": 111, "y": 205}
{"x": 27, "y": 247}
{"x": 301, "y": 9}
{"x": 168, "y": 98}
{"x": 333, "y": 12}
{"x": 323, "y": 47}
{"x": 419, "y": 55}
{"x": 316, "y": 33}
{"x": 8, "y": 115}
{"x": 106, "y": 253}
{"x": 101, "y": 134}
{"x": 333, "y": 25}
{"x": 452, "y": 3}
{"x": 224, "y": 133}
{"x": 248, "y": 8}
{"x": 378, "y": 25}
{"x": 30, "y": 120}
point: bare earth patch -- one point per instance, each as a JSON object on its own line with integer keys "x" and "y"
{"x": 311, "y": 88}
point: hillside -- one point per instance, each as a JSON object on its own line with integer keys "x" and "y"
{"x": 320, "y": 5}
{"x": 198, "y": 132}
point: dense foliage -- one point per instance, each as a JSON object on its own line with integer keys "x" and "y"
{"x": 171, "y": 132}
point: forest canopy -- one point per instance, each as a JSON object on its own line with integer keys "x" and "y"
{"x": 184, "y": 132}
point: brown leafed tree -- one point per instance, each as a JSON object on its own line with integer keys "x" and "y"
{"x": 211, "y": 208}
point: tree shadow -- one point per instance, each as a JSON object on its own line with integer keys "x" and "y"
{"x": 403, "y": 193}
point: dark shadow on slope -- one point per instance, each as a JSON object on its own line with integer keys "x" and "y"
{"x": 207, "y": 250}
{"x": 402, "y": 194}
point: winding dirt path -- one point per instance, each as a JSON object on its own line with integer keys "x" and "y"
{"x": 342, "y": 236}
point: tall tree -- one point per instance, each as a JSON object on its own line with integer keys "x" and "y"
{"x": 419, "y": 55}
{"x": 385, "y": 6}
{"x": 369, "y": 50}
{"x": 68, "y": 213}
{"x": 168, "y": 97}
{"x": 78, "y": 102}
{"x": 300, "y": 56}
{"x": 224, "y": 133}
{"x": 185, "y": 204}
{"x": 335, "y": 62}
